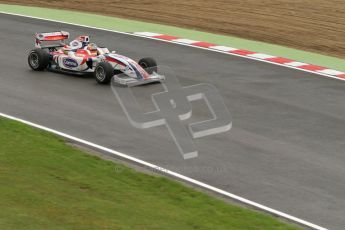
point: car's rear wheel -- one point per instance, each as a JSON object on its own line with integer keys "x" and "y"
{"x": 38, "y": 59}
{"x": 149, "y": 64}
{"x": 103, "y": 73}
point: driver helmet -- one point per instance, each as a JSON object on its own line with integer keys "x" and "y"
{"x": 92, "y": 47}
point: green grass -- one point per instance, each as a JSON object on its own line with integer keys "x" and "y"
{"x": 47, "y": 184}
{"x": 125, "y": 25}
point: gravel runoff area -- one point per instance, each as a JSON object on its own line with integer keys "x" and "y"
{"x": 311, "y": 25}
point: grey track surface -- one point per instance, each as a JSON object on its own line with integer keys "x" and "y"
{"x": 286, "y": 147}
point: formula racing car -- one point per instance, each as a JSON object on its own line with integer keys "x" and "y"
{"x": 80, "y": 56}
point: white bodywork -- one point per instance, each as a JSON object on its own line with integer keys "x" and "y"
{"x": 76, "y": 58}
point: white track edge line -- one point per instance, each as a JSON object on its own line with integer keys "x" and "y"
{"x": 171, "y": 173}
{"x": 166, "y": 171}
{"x": 249, "y": 57}
{"x": 189, "y": 45}
{"x": 168, "y": 41}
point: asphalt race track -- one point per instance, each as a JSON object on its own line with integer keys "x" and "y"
{"x": 286, "y": 149}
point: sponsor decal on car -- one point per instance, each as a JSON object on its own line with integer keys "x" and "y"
{"x": 70, "y": 62}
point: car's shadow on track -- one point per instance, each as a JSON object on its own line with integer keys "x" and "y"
{"x": 71, "y": 74}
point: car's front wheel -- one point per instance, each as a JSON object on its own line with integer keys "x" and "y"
{"x": 38, "y": 59}
{"x": 103, "y": 73}
{"x": 149, "y": 64}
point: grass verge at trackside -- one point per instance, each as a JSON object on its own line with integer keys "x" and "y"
{"x": 125, "y": 25}
{"x": 47, "y": 184}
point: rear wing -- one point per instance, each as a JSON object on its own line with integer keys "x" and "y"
{"x": 51, "y": 39}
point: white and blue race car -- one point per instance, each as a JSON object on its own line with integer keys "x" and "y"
{"x": 81, "y": 57}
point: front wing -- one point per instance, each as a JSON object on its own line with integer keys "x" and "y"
{"x": 123, "y": 79}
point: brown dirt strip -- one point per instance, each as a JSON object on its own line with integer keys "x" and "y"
{"x": 311, "y": 25}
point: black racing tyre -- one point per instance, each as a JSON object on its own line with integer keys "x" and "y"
{"x": 103, "y": 73}
{"x": 149, "y": 64}
{"x": 38, "y": 59}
